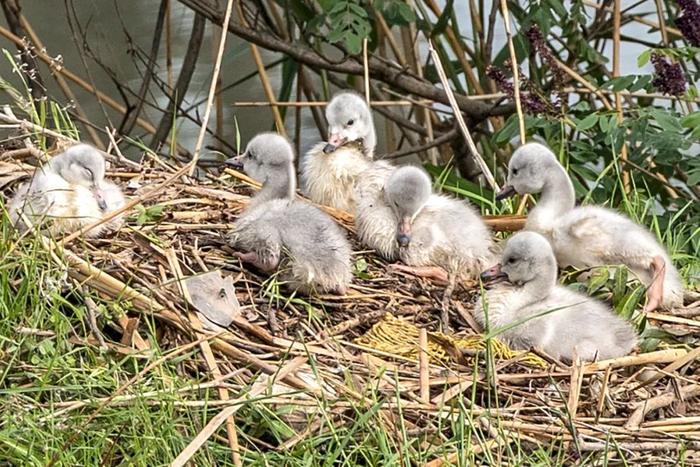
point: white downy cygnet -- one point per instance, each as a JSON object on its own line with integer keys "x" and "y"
{"x": 589, "y": 236}
{"x": 278, "y": 233}
{"x": 329, "y": 169}
{"x": 68, "y": 193}
{"x": 524, "y": 299}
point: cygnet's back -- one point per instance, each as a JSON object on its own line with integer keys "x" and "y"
{"x": 524, "y": 299}
{"x": 308, "y": 249}
{"x": 374, "y": 219}
{"x": 329, "y": 169}
{"x": 443, "y": 231}
{"x": 68, "y": 193}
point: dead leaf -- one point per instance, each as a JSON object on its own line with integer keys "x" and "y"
{"x": 214, "y": 298}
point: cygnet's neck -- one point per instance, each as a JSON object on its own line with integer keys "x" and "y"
{"x": 556, "y": 200}
{"x": 279, "y": 184}
{"x": 370, "y": 141}
{"x": 539, "y": 288}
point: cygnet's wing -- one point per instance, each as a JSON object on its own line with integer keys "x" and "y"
{"x": 591, "y": 235}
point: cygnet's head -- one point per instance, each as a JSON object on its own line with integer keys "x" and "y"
{"x": 266, "y": 154}
{"x": 349, "y": 120}
{"x": 83, "y": 165}
{"x": 406, "y": 191}
{"x": 527, "y": 257}
{"x": 527, "y": 170}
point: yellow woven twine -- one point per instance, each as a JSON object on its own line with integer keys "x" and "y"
{"x": 400, "y": 337}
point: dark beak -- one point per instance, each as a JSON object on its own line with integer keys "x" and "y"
{"x": 493, "y": 276}
{"x": 99, "y": 196}
{"x": 329, "y": 148}
{"x": 506, "y": 192}
{"x": 403, "y": 235}
{"x": 235, "y": 162}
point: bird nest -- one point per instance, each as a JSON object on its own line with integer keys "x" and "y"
{"x": 175, "y": 230}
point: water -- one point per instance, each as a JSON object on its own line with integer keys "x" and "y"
{"x": 105, "y": 23}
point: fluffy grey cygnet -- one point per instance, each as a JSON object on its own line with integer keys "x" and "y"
{"x": 330, "y": 169}
{"x": 68, "y": 193}
{"x": 524, "y": 297}
{"x": 425, "y": 230}
{"x": 278, "y": 233}
{"x": 589, "y": 236}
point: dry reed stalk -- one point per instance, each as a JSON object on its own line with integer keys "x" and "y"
{"x": 515, "y": 71}
{"x": 575, "y": 386}
{"x": 122, "y": 388}
{"x": 169, "y": 46}
{"x": 55, "y": 67}
{"x": 374, "y": 103}
{"x": 391, "y": 39}
{"x": 658, "y": 402}
{"x": 208, "y": 355}
{"x": 659, "y": 356}
{"x": 264, "y": 79}
{"x": 618, "y": 98}
{"x": 219, "y": 418}
{"x": 423, "y": 366}
{"x": 212, "y": 89}
{"x": 460, "y": 119}
{"x": 668, "y": 369}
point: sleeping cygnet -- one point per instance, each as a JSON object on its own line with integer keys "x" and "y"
{"x": 433, "y": 235}
{"x": 329, "y": 169}
{"x": 524, "y": 299}
{"x": 589, "y": 236}
{"x": 277, "y": 233}
{"x": 68, "y": 193}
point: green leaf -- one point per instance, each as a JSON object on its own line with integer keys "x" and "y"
{"x": 643, "y": 58}
{"x": 588, "y": 122}
{"x": 508, "y": 132}
{"x": 691, "y": 120}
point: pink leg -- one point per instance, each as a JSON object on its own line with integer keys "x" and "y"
{"x": 655, "y": 292}
{"x": 252, "y": 258}
{"x": 429, "y": 272}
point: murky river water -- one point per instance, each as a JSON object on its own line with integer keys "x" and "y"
{"x": 106, "y": 25}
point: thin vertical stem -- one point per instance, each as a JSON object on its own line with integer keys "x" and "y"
{"x": 618, "y": 97}
{"x": 264, "y": 79}
{"x": 460, "y": 119}
{"x": 365, "y": 66}
{"x": 514, "y": 67}
{"x": 212, "y": 88}
{"x": 169, "y": 46}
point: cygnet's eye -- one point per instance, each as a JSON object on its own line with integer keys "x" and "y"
{"x": 515, "y": 171}
{"x": 511, "y": 260}
{"x": 251, "y": 155}
{"x": 350, "y": 122}
{"x": 90, "y": 175}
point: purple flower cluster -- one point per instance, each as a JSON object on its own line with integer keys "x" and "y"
{"x": 534, "y": 35}
{"x": 532, "y": 103}
{"x": 668, "y": 76}
{"x": 689, "y": 23}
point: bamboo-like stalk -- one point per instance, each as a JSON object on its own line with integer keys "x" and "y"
{"x": 219, "y": 103}
{"x": 460, "y": 119}
{"x": 423, "y": 366}
{"x": 264, "y": 79}
{"x": 374, "y": 103}
{"x": 212, "y": 89}
{"x": 618, "y": 98}
{"x": 169, "y": 46}
{"x": 514, "y": 69}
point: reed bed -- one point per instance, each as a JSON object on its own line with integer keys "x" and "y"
{"x": 305, "y": 360}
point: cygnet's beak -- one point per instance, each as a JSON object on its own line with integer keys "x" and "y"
{"x": 100, "y": 197}
{"x": 493, "y": 276}
{"x": 403, "y": 235}
{"x": 235, "y": 162}
{"x": 335, "y": 140}
{"x": 506, "y": 192}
